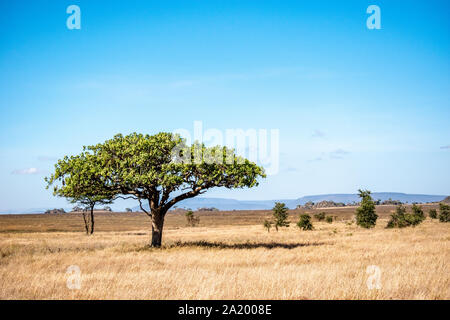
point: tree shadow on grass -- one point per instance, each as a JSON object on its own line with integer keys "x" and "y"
{"x": 245, "y": 245}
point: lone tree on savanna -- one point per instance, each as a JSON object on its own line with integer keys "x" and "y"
{"x": 280, "y": 215}
{"x": 162, "y": 170}
{"x": 81, "y": 184}
{"x": 366, "y": 216}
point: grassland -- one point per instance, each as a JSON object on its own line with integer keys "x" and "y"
{"x": 229, "y": 256}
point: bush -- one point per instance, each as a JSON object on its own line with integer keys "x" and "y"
{"x": 320, "y": 216}
{"x": 433, "y": 214}
{"x": 192, "y": 220}
{"x": 365, "y": 214}
{"x": 401, "y": 219}
{"x": 128, "y": 210}
{"x": 444, "y": 212}
{"x": 267, "y": 224}
{"x": 280, "y": 215}
{"x": 418, "y": 213}
{"x": 329, "y": 219}
{"x": 305, "y": 222}
{"x": 398, "y": 219}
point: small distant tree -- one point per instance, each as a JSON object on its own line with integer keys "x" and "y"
{"x": 305, "y": 222}
{"x": 366, "y": 216}
{"x": 444, "y": 212}
{"x": 192, "y": 220}
{"x": 128, "y": 210}
{"x": 89, "y": 203}
{"x": 81, "y": 185}
{"x": 107, "y": 209}
{"x": 280, "y": 215}
{"x": 329, "y": 219}
{"x": 433, "y": 214}
{"x": 267, "y": 224}
{"x": 320, "y": 216}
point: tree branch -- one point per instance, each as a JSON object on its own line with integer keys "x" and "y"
{"x": 140, "y": 204}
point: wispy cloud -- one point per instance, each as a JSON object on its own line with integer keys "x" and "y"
{"x": 318, "y": 134}
{"x": 26, "y": 171}
{"x": 338, "y": 153}
{"x": 446, "y": 147}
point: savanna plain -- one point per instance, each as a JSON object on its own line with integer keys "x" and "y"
{"x": 228, "y": 256}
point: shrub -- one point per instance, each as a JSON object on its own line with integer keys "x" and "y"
{"x": 128, "y": 210}
{"x": 280, "y": 215}
{"x": 267, "y": 224}
{"x": 320, "y": 216}
{"x": 329, "y": 219}
{"x": 398, "y": 219}
{"x": 192, "y": 220}
{"x": 444, "y": 212}
{"x": 401, "y": 219}
{"x": 433, "y": 214}
{"x": 365, "y": 213}
{"x": 305, "y": 222}
{"x": 418, "y": 214}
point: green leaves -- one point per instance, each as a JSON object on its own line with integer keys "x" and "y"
{"x": 365, "y": 213}
{"x": 78, "y": 178}
{"x": 160, "y": 168}
{"x": 280, "y": 215}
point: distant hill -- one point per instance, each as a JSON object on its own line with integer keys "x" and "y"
{"x": 232, "y": 204}
{"x": 446, "y": 200}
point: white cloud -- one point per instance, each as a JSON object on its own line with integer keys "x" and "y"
{"x": 26, "y": 171}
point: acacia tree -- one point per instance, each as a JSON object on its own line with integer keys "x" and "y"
{"x": 89, "y": 203}
{"x": 81, "y": 183}
{"x": 163, "y": 170}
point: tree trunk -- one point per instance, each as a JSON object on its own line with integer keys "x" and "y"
{"x": 86, "y": 222}
{"x": 92, "y": 220}
{"x": 157, "y": 228}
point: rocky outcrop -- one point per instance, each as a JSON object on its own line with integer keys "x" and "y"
{"x": 55, "y": 211}
{"x": 322, "y": 204}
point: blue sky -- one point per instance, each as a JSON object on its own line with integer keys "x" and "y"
{"x": 355, "y": 107}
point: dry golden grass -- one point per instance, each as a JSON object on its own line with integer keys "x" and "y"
{"x": 224, "y": 258}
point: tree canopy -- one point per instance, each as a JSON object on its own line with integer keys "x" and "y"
{"x": 161, "y": 169}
